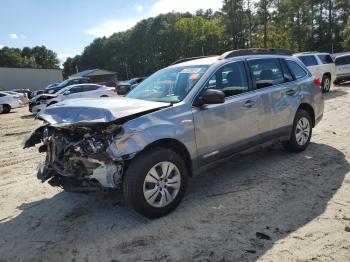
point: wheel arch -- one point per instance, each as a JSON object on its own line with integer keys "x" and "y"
{"x": 327, "y": 74}
{"x": 308, "y": 108}
{"x": 176, "y": 146}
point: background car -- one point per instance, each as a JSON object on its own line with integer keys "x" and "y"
{"x": 65, "y": 83}
{"x": 71, "y": 92}
{"x": 125, "y": 87}
{"x": 38, "y": 92}
{"x": 321, "y": 65}
{"x": 342, "y": 68}
{"x": 26, "y": 92}
{"x": 7, "y": 102}
{"x": 23, "y": 98}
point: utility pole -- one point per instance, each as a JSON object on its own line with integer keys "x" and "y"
{"x": 126, "y": 70}
{"x": 265, "y": 23}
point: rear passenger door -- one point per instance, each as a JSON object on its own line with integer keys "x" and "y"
{"x": 278, "y": 94}
{"x": 74, "y": 92}
{"x": 91, "y": 91}
{"x": 222, "y": 129}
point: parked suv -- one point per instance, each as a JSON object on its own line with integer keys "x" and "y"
{"x": 125, "y": 87}
{"x": 321, "y": 65}
{"x": 342, "y": 66}
{"x": 175, "y": 123}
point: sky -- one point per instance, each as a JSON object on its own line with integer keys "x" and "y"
{"x": 67, "y": 26}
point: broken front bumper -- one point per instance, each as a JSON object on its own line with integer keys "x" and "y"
{"x": 76, "y": 161}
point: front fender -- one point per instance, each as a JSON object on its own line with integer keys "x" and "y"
{"x": 139, "y": 133}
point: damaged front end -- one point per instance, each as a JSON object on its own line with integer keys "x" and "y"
{"x": 76, "y": 156}
{"x": 86, "y": 142}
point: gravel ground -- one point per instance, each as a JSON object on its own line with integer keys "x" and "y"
{"x": 269, "y": 205}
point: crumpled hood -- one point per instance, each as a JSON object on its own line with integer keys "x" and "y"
{"x": 98, "y": 110}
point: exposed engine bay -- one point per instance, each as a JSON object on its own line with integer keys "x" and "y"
{"x": 76, "y": 157}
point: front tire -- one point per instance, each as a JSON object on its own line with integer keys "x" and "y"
{"x": 155, "y": 182}
{"x": 301, "y": 133}
{"x": 326, "y": 84}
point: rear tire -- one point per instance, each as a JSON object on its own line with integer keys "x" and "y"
{"x": 155, "y": 182}
{"x": 301, "y": 132}
{"x": 6, "y": 109}
{"x": 326, "y": 83}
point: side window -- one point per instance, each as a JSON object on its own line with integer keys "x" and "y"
{"x": 296, "y": 69}
{"x": 231, "y": 79}
{"x": 326, "y": 59}
{"x": 75, "y": 90}
{"x": 308, "y": 60}
{"x": 266, "y": 72}
{"x": 344, "y": 60}
{"x": 90, "y": 88}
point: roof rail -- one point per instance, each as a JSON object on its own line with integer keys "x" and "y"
{"x": 255, "y": 51}
{"x": 189, "y": 59}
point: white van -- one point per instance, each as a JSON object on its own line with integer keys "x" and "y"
{"x": 342, "y": 67}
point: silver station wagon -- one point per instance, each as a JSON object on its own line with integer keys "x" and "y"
{"x": 176, "y": 122}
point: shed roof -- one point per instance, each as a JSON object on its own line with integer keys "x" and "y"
{"x": 92, "y": 72}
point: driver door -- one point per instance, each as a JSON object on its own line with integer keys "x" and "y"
{"x": 223, "y": 129}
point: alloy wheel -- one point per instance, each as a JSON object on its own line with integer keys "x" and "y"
{"x": 302, "y": 131}
{"x": 162, "y": 184}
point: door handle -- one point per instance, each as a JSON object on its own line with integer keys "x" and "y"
{"x": 291, "y": 92}
{"x": 249, "y": 103}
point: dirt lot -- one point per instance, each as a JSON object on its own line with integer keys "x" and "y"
{"x": 269, "y": 205}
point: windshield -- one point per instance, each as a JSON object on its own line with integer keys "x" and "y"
{"x": 170, "y": 85}
{"x": 64, "y": 83}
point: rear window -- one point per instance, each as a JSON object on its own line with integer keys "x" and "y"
{"x": 266, "y": 72}
{"x": 326, "y": 59}
{"x": 308, "y": 60}
{"x": 91, "y": 87}
{"x": 296, "y": 69}
{"x": 344, "y": 60}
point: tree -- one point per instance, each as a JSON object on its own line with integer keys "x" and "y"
{"x": 233, "y": 16}
{"x": 10, "y": 57}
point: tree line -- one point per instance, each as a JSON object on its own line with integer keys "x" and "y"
{"x": 153, "y": 43}
{"x": 36, "y": 57}
{"x": 298, "y": 25}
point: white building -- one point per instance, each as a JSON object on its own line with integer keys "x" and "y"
{"x": 27, "y": 78}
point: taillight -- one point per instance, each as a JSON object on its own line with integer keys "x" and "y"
{"x": 317, "y": 82}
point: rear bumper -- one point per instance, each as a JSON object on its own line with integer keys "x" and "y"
{"x": 16, "y": 104}
{"x": 342, "y": 78}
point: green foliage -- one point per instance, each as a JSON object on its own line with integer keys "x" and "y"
{"x": 36, "y": 57}
{"x": 299, "y": 25}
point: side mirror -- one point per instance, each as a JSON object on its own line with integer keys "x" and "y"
{"x": 210, "y": 96}
{"x": 66, "y": 93}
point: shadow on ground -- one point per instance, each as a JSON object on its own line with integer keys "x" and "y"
{"x": 334, "y": 94}
{"x": 235, "y": 211}
{"x": 31, "y": 116}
